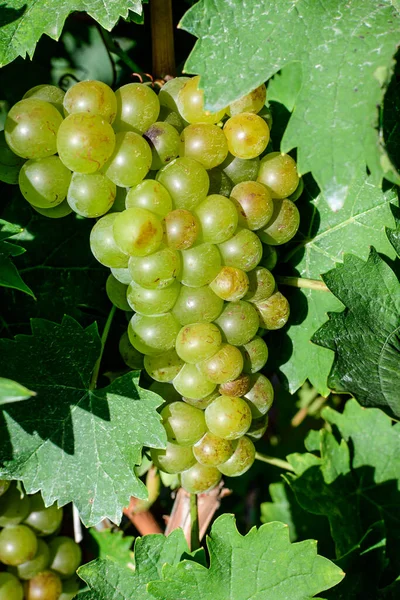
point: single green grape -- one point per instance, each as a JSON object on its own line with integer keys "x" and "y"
{"x": 198, "y": 341}
{"x": 243, "y": 250}
{"x": 70, "y": 588}
{"x": 32, "y": 567}
{"x": 18, "y": 544}
{"x": 238, "y": 322}
{"x": 164, "y": 142}
{"x": 269, "y": 257}
{"x": 49, "y": 93}
{"x": 117, "y": 292}
{"x": 183, "y": 423}
{"x": 258, "y": 427}
{"x": 122, "y": 275}
{"x": 181, "y": 229}
{"x": 56, "y": 212}
{"x": 219, "y": 182}
{"x": 131, "y": 160}
{"x": 191, "y": 383}
{"x": 13, "y": 508}
{"x": 237, "y": 387}
{"x": 218, "y": 219}
{"x": 225, "y": 365}
{"x": 190, "y": 102}
{"x": 260, "y": 395}
{"x": 228, "y": 417}
{"x": 44, "y": 586}
{"x": 279, "y": 173}
{"x": 9, "y": 159}
{"x": 103, "y": 246}
{"x": 153, "y": 335}
{"x": 163, "y": 367}
{"x": 250, "y": 103}
{"x": 274, "y": 312}
{"x": 166, "y": 391}
{"x": 131, "y": 357}
{"x": 283, "y": 225}
{"x": 212, "y": 450}
{"x": 205, "y": 143}
{"x": 152, "y": 196}
{"x": 230, "y": 284}
{"x": 65, "y": 556}
{"x": 137, "y": 231}
{"x": 93, "y": 97}
{"x": 174, "y": 459}
{"x": 31, "y": 128}
{"x": 172, "y": 118}
{"x": 186, "y": 180}
{"x": 255, "y": 355}
{"x": 200, "y": 265}
{"x": 91, "y": 195}
{"x": 4, "y": 485}
{"x": 43, "y": 520}
{"x": 298, "y": 191}
{"x": 239, "y": 170}
{"x": 254, "y": 204}
{"x": 202, "y": 403}
{"x": 169, "y": 92}
{"x": 44, "y": 181}
{"x": 197, "y": 305}
{"x": 85, "y": 142}
{"x": 156, "y": 271}
{"x": 199, "y": 479}
{"x": 261, "y": 285}
{"x": 241, "y": 460}
{"x": 152, "y": 301}
{"x": 10, "y": 587}
{"x": 247, "y": 135}
{"x": 137, "y": 108}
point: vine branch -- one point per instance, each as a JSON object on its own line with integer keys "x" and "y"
{"x": 106, "y": 331}
{"x": 194, "y": 523}
{"x": 302, "y": 282}
{"x": 276, "y": 462}
{"x": 162, "y": 36}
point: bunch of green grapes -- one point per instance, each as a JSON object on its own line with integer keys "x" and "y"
{"x": 38, "y": 564}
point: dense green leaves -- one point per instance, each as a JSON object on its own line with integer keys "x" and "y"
{"x": 9, "y": 275}
{"x": 75, "y": 443}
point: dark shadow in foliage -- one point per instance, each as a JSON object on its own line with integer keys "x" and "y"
{"x": 390, "y": 117}
{"x": 280, "y": 119}
{"x": 9, "y": 15}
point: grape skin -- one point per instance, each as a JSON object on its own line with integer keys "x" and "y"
{"x": 44, "y": 181}
{"x": 241, "y": 460}
{"x": 200, "y": 478}
{"x": 228, "y": 417}
{"x": 247, "y": 135}
{"x": 10, "y": 587}
{"x": 191, "y": 383}
{"x": 186, "y": 180}
{"x": 184, "y": 424}
{"x": 93, "y": 97}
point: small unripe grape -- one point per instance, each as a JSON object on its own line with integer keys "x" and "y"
{"x": 13, "y": 508}
{"x": 56, "y": 212}
{"x": 122, "y": 275}
{"x": 151, "y": 195}
{"x": 269, "y": 257}
{"x": 181, "y": 229}
{"x": 44, "y": 181}
{"x": 103, "y": 245}
{"x": 184, "y": 424}
{"x": 258, "y": 427}
{"x": 238, "y": 322}
{"x": 225, "y": 365}
{"x": 212, "y": 450}
{"x": 152, "y": 301}
{"x": 219, "y": 182}
{"x": 191, "y": 383}
{"x": 164, "y": 142}
{"x": 116, "y": 292}
{"x": 243, "y": 250}
{"x": 274, "y": 312}
{"x": 49, "y": 93}
{"x": 254, "y": 203}
{"x": 261, "y": 285}
{"x": 32, "y": 567}
{"x": 230, "y": 284}
{"x": 251, "y": 102}
{"x": 190, "y": 103}
{"x": 239, "y": 170}
{"x": 70, "y": 588}
{"x": 238, "y": 387}
{"x": 153, "y": 335}
{"x": 137, "y": 231}
{"x": 172, "y": 118}
{"x": 200, "y": 265}
{"x": 298, "y": 191}
{"x": 131, "y": 160}
{"x": 218, "y": 219}
{"x": 200, "y": 478}
{"x": 43, "y": 521}
{"x": 44, "y": 586}
{"x": 255, "y": 354}
{"x": 260, "y": 395}
{"x": 163, "y": 367}
{"x": 279, "y": 173}
{"x": 4, "y": 485}
{"x": 131, "y": 357}
{"x": 10, "y": 587}
{"x": 283, "y": 224}
{"x": 18, "y": 544}
{"x": 174, "y": 459}
{"x": 202, "y": 403}
{"x": 65, "y": 556}
{"x": 228, "y": 417}
{"x": 186, "y": 180}
{"x": 156, "y": 271}
{"x": 241, "y": 460}
{"x": 137, "y": 108}
{"x": 93, "y": 97}
{"x": 197, "y": 304}
{"x": 91, "y": 195}
{"x": 205, "y": 143}
{"x": 170, "y": 90}
{"x": 198, "y": 341}
{"x": 247, "y": 135}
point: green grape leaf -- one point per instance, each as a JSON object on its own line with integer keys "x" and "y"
{"x": 72, "y": 442}
{"x": 330, "y": 40}
{"x": 114, "y": 545}
{"x": 9, "y": 275}
{"x": 11, "y": 391}
{"x": 23, "y": 22}
{"x": 263, "y": 565}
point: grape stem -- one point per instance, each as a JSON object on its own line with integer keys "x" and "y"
{"x": 106, "y": 330}
{"x": 194, "y": 523}
{"x": 277, "y": 462}
{"x": 162, "y": 37}
{"x": 302, "y": 282}
{"x": 113, "y": 47}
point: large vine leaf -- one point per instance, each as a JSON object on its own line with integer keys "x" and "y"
{"x": 74, "y": 443}
{"x": 113, "y": 545}
{"x": 23, "y": 22}
{"x": 9, "y": 275}
{"x": 346, "y": 49}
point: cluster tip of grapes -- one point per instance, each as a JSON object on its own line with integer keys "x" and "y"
{"x": 192, "y": 206}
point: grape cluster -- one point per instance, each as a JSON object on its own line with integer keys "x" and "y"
{"x": 193, "y": 218}
{"x": 40, "y": 564}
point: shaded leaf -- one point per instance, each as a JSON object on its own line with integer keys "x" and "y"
{"x": 9, "y": 275}
{"x": 11, "y": 391}
{"x": 114, "y": 545}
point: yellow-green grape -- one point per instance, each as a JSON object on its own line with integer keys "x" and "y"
{"x": 219, "y": 182}
{"x": 202, "y": 403}
{"x": 191, "y": 383}
{"x": 254, "y": 203}
{"x": 166, "y": 390}
{"x": 212, "y": 450}
{"x": 190, "y": 102}
{"x": 45, "y": 585}
{"x": 13, "y": 508}
{"x": 251, "y": 103}
{"x": 279, "y": 173}
{"x": 181, "y": 229}
{"x": 137, "y": 231}
{"x": 91, "y": 195}
{"x": 260, "y": 395}
{"x": 43, "y": 520}
{"x": 32, "y": 567}
{"x": 150, "y": 194}
{"x": 48, "y": 93}
{"x": 122, "y": 275}
{"x": 153, "y": 335}
{"x": 225, "y": 365}
{"x": 283, "y": 225}
{"x": 164, "y": 142}
{"x": 85, "y": 142}
{"x": 247, "y": 135}
{"x": 65, "y": 556}
{"x": 131, "y": 160}
{"x": 238, "y": 322}
{"x": 10, "y": 587}
{"x": 243, "y": 250}
{"x": 255, "y": 355}
{"x": 274, "y": 312}
{"x": 269, "y": 257}
{"x": 228, "y": 417}
{"x": 56, "y": 212}
{"x": 131, "y": 357}
{"x": 241, "y": 460}
{"x": 18, "y": 544}
{"x": 172, "y": 118}
{"x": 197, "y": 304}
{"x": 261, "y": 285}
{"x": 70, "y": 588}
{"x": 238, "y": 387}
{"x": 186, "y": 180}
{"x": 163, "y": 367}
{"x": 198, "y": 341}
{"x": 239, "y": 170}
{"x": 137, "y": 108}
{"x": 205, "y": 143}
{"x": 200, "y": 479}
{"x": 170, "y": 90}
{"x": 218, "y": 219}
{"x": 31, "y": 128}
{"x": 184, "y": 424}
{"x": 174, "y": 459}
{"x": 230, "y": 284}
{"x": 200, "y": 265}
{"x": 116, "y": 292}
{"x": 4, "y": 486}
{"x": 156, "y": 271}
{"x": 103, "y": 246}
{"x": 44, "y": 181}
{"x": 152, "y": 301}
{"x": 93, "y": 97}
{"x": 298, "y": 191}
{"x": 258, "y": 427}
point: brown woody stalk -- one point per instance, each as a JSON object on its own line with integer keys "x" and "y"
{"x": 162, "y": 35}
